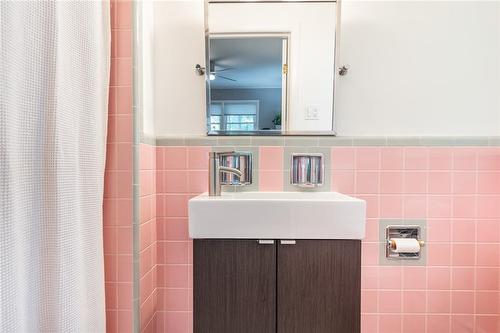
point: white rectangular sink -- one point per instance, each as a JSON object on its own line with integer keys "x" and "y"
{"x": 277, "y": 215}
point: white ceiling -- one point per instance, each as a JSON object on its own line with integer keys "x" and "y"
{"x": 253, "y": 62}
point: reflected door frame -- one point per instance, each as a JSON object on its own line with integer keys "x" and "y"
{"x": 285, "y": 77}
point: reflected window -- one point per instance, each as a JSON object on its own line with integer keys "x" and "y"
{"x": 233, "y": 115}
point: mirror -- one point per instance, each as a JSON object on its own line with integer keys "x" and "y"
{"x": 247, "y": 82}
{"x": 270, "y": 67}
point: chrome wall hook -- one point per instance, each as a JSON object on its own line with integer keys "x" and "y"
{"x": 343, "y": 70}
{"x": 199, "y": 70}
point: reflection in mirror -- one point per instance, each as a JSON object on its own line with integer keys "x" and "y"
{"x": 270, "y": 67}
{"x": 247, "y": 82}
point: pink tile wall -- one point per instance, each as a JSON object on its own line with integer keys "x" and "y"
{"x": 181, "y": 172}
{"x": 457, "y": 190}
{"x": 118, "y": 176}
{"x": 148, "y": 239}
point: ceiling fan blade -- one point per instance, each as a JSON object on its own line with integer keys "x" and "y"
{"x": 225, "y": 78}
{"x": 223, "y": 69}
{"x": 215, "y": 67}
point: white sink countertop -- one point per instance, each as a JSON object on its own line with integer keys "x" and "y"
{"x": 277, "y": 215}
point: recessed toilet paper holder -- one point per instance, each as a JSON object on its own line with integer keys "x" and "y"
{"x": 402, "y": 231}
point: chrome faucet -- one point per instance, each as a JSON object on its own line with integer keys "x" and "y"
{"x": 215, "y": 170}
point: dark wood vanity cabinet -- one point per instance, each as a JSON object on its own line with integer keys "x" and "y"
{"x": 312, "y": 286}
{"x": 234, "y": 286}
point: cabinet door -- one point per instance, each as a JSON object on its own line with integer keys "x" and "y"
{"x": 319, "y": 286}
{"x": 234, "y": 286}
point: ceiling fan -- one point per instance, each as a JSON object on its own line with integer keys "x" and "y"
{"x": 215, "y": 71}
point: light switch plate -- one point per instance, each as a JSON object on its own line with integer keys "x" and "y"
{"x": 312, "y": 112}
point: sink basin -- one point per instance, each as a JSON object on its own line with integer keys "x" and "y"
{"x": 277, "y": 215}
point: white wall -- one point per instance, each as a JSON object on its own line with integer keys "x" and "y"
{"x": 147, "y": 66}
{"x": 420, "y": 68}
{"x": 417, "y": 68}
{"x": 179, "y": 99}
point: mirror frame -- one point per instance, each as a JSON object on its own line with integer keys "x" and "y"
{"x": 283, "y": 132}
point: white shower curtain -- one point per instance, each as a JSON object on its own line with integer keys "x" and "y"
{"x": 54, "y": 58}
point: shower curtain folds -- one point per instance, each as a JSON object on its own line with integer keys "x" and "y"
{"x": 54, "y": 76}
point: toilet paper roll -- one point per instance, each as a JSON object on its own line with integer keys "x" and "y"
{"x": 405, "y": 245}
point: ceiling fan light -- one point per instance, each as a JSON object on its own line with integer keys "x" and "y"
{"x": 211, "y": 77}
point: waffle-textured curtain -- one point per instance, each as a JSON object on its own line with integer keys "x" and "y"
{"x": 54, "y": 73}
